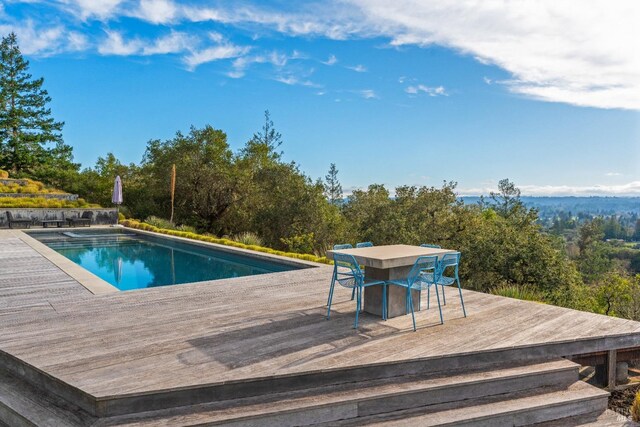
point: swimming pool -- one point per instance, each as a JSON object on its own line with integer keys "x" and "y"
{"x": 129, "y": 260}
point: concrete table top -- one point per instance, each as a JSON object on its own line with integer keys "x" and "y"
{"x": 390, "y": 256}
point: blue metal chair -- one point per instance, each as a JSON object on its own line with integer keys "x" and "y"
{"x": 342, "y": 246}
{"x": 364, "y": 245}
{"x": 345, "y": 246}
{"x": 348, "y": 274}
{"x": 417, "y": 279}
{"x": 449, "y": 260}
{"x": 428, "y": 245}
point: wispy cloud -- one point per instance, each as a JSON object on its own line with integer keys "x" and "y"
{"x": 358, "y": 68}
{"x": 157, "y": 11}
{"x": 293, "y": 80}
{"x": 613, "y": 174}
{"x": 331, "y": 60}
{"x": 368, "y": 94}
{"x": 115, "y": 44}
{"x": 42, "y": 40}
{"x": 213, "y": 53}
{"x": 97, "y": 9}
{"x": 431, "y": 91}
{"x": 557, "y": 51}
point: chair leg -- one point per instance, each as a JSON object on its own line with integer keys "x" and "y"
{"x": 439, "y": 307}
{"x": 444, "y": 299}
{"x": 330, "y": 298}
{"x": 353, "y": 293}
{"x": 461, "y": 300}
{"x": 333, "y": 281}
{"x": 428, "y": 296}
{"x": 358, "y": 293}
{"x": 413, "y": 316}
{"x": 384, "y": 302}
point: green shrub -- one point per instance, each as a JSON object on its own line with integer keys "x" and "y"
{"x": 248, "y": 238}
{"x": 131, "y": 223}
{"x": 41, "y": 202}
{"x": 121, "y": 217}
{"x": 302, "y": 244}
{"x": 160, "y": 222}
{"x": 186, "y": 228}
{"x": 31, "y": 187}
{"x": 521, "y": 292}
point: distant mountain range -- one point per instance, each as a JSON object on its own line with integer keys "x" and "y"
{"x": 593, "y": 205}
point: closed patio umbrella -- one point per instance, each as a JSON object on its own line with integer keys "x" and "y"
{"x": 116, "y": 196}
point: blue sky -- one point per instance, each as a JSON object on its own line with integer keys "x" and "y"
{"x": 402, "y": 92}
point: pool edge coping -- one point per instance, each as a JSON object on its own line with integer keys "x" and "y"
{"x": 84, "y": 277}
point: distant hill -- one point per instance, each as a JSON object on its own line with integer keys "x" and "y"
{"x": 596, "y": 205}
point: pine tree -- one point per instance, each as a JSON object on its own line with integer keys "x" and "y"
{"x": 26, "y": 126}
{"x": 332, "y": 187}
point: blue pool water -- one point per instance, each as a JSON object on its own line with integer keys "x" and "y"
{"x": 133, "y": 261}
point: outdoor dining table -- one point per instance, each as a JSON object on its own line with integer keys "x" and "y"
{"x": 389, "y": 262}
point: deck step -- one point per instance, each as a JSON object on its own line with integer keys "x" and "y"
{"x": 608, "y": 418}
{"x": 361, "y": 399}
{"x": 21, "y": 405}
{"x": 520, "y": 409}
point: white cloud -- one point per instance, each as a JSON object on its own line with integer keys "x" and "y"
{"x": 115, "y": 44}
{"x": 331, "y": 60}
{"x": 174, "y": 42}
{"x": 358, "y": 68}
{"x": 431, "y": 91}
{"x": 213, "y": 53}
{"x": 368, "y": 94}
{"x": 628, "y": 189}
{"x": 101, "y": 9}
{"x": 39, "y": 41}
{"x": 613, "y": 174}
{"x": 292, "y": 80}
{"x": 157, "y": 11}
{"x": 557, "y": 51}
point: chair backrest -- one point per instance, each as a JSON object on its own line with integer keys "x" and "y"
{"x": 424, "y": 264}
{"x": 342, "y": 246}
{"x": 347, "y": 269}
{"x": 87, "y": 215}
{"x": 428, "y": 245}
{"x": 364, "y": 245}
{"x": 449, "y": 260}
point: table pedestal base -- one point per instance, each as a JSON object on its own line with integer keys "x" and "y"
{"x": 396, "y": 295}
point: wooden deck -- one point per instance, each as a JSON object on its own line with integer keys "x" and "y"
{"x": 267, "y": 326}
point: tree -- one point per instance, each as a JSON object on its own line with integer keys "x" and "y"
{"x": 507, "y": 201}
{"x": 206, "y": 185}
{"x": 332, "y": 187}
{"x": 263, "y": 145}
{"x": 26, "y": 126}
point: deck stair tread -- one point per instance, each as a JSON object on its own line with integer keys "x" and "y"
{"x": 608, "y": 418}
{"x": 23, "y": 405}
{"x": 364, "y": 397}
{"x": 520, "y": 409}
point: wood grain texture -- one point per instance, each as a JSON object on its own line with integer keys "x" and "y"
{"x": 251, "y": 327}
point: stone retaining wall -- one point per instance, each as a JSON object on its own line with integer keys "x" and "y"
{"x": 101, "y": 216}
